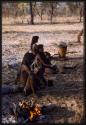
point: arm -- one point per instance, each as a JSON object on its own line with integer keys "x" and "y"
{"x": 42, "y": 61}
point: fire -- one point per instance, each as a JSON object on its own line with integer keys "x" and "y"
{"x": 34, "y": 111}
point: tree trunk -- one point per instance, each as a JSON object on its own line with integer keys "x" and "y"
{"x": 80, "y": 15}
{"x": 31, "y": 13}
{"x": 7, "y": 14}
{"x": 41, "y": 15}
{"x": 51, "y": 18}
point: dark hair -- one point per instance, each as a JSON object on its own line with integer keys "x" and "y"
{"x": 40, "y": 46}
{"x": 34, "y": 40}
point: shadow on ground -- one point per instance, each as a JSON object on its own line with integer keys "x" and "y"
{"x": 54, "y": 113}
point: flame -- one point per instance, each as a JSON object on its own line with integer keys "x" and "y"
{"x": 32, "y": 114}
{"x": 24, "y": 104}
{"x": 35, "y": 113}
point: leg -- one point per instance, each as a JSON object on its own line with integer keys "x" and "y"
{"x": 23, "y": 75}
{"x": 30, "y": 84}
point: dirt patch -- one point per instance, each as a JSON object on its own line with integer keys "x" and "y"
{"x": 68, "y": 90}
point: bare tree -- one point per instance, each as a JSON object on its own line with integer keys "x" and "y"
{"x": 79, "y": 6}
{"x": 51, "y": 15}
{"x": 81, "y": 11}
{"x": 31, "y": 14}
{"x": 74, "y": 7}
{"x": 38, "y": 9}
{"x": 5, "y": 9}
{"x": 53, "y": 6}
{"x": 42, "y": 9}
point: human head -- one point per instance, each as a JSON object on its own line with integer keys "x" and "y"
{"x": 34, "y": 40}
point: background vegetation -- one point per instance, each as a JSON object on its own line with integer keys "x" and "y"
{"x": 41, "y": 12}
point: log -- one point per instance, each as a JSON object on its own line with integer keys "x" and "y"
{"x": 9, "y": 89}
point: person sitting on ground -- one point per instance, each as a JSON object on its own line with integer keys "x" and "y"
{"x": 39, "y": 65}
{"x": 33, "y": 77}
{"x": 25, "y": 74}
{"x": 38, "y": 68}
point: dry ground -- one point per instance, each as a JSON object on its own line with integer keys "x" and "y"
{"x": 67, "y": 92}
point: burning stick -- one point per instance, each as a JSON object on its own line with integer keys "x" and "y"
{"x": 35, "y": 113}
{"x": 27, "y": 110}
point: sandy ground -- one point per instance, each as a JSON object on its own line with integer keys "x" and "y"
{"x": 16, "y": 39}
{"x": 37, "y": 19}
{"x": 68, "y": 87}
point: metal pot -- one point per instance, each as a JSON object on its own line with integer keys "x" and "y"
{"x": 62, "y": 49}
